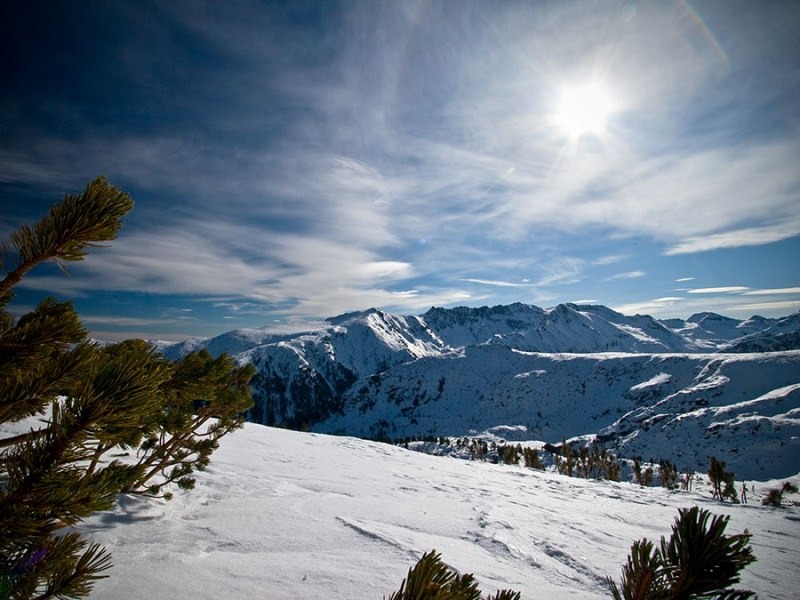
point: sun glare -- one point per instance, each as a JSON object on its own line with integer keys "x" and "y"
{"x": 584, "y": 110}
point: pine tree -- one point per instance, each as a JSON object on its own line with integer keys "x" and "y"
{"x": 699, "y": 561}
{"x": 686, "y": 480}
{"x": 605, "y": 464}
{"x": 565, "y": 463}
{"x": 644, "y": 477}
{"x": 668, "y": 474}
{"x": 95, "y": 401}
{"x": 204, "y": 399}
{"x": 613, "y": 470}
{"x": 510, "y": 454}
{"x": 478, "y": 449}
{"x": 531, "y": 457}
{"x": 584, "y": 466}
{"x": 722, "y": 480}
{"x": 597, "y": 461}
{"x": 42, "y": 485}
{"x": 774, "y": 496}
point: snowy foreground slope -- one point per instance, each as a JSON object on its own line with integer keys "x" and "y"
{"x": 282, "y": 514}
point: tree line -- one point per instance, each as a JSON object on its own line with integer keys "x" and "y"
{"x": 595, "y": 462}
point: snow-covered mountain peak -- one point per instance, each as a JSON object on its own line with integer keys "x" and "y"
{"x": 702, "y": 317}
{"x": 710, "y": 331}
{"x": 756, "y": 321}
{"x": 788, "y": 324}
{"x": 353, "y": 317}
{"x": 443, "y": 318}
{"x": 573, "y": 370}
{"x": 595, "y": 309}
{"x": 563, "y": 328}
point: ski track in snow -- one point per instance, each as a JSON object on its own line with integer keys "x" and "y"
{"x": 281, "y": 514}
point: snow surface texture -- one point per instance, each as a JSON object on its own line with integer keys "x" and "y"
{"x": 642, "y": 387}
{"x": 289, "y": 515}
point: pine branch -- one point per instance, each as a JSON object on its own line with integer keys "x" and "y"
{"x": 698, "y": 561}
{"x": 77, "y": 222}
{"x": 432, "y": 579}
{"x": 68, "y": 572}
{"x": 31, "y": 436}
{"x": 704, "y": 560}
{"x": 25, "y": 389}
{"x": 640, "y": 576}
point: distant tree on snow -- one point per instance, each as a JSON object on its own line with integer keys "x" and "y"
{"x": 644, "y": 477}
{"x": 722, "y": 480}
{"x": 531, "y": 458}
{"x": 668, "y": 474}
{"x": 774, "y": 496}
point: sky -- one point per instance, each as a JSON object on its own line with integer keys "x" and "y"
{"x": 298, "y": 160}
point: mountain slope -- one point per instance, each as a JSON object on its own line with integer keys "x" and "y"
{"x": 781, "y": 334}
{"x": 710, "y": 331}
{"x": 300, "y": 381}
{"x": 286, "y": 515}
{"x": 467, "y": 370}
{"x": 641, "y": 404}
{"x": 764, "y": 342}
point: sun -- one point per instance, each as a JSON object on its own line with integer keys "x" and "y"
{"x": 584, "y": 109}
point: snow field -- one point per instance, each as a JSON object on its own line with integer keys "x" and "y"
{"x": 282, "y": 514}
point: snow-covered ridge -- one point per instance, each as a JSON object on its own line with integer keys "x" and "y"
{"x": 573, "y": 370}
{"x": 564, "y": 328}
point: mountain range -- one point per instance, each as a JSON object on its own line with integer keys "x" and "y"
{"x": 673, "y": 389}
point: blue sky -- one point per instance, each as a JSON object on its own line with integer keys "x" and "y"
{"x": 299, "y": 160}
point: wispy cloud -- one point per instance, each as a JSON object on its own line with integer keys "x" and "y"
{"x": 627, "y": 275}
{"x": 94, "y": 321}
{"x": 666, "y": 306}
{"x": 609, "y": 260}
{"x": 753, "y": 236}
{"x": 497, "y": 283}
{"x": 727, "y": 303}
{"x": 730, "y": 289}
{"x": 788, "y": 306}
{"x": 561, "y": 271}
{"x": 774, "y": 291}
